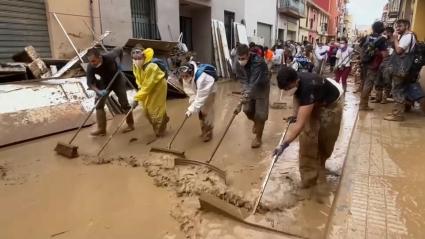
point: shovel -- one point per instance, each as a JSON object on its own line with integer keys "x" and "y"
{"x": 169, "y": 150}
{"x": 209, "y": 201}
{"x": 71, "y": 151}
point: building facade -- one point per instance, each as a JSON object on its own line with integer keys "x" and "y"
{"x": 290, "y": 13}
{"x": 315, "y": 26}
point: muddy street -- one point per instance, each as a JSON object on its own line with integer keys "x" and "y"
{"x": 116, "y": 197}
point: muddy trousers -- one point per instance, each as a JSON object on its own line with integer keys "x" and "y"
{"x": 119, "y": 88}
{"x": 370, "y": 79}
{"x": 342, "y": 75}
{"x": 257, "y": 110}
{"x": 383, "y": 84}
{"x": 399, "y": 95}
{"x": 317, "y": 141}
{"x": 206, "y": 118}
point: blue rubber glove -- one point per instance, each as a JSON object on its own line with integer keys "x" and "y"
{"x": 279, "y": 150}
{"x": 103, "y": 93}
{"x": 119, "y": 66}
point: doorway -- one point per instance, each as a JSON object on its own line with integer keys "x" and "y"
{"x": 229, "y": 19}
{"x": 186, "y": 28}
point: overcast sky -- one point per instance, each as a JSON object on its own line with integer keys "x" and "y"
{"x": 365, "y": 12}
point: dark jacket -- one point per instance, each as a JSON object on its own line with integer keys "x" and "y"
{"x": 254, "y": 77}
{"x": 107, "y": 70}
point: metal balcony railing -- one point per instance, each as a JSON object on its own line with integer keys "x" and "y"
{"x": 293, "y": 8}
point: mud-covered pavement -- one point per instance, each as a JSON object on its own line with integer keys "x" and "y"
{"x": 44, "y": 195}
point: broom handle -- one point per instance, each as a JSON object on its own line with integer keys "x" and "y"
{"x": 177, "y": 132}
{"x": 94, "y": 107}
{"x": 116, "y": 131}
{"x": 263, "y": 187}
{"x": 225, "y": 132}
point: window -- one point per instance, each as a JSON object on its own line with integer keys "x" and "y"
{"x": 143, "y": 19}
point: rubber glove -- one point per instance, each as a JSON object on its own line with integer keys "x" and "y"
{"x": 279, "y": 150}
{"x": 103, "y": 93}
{"x": 188, "y": 113}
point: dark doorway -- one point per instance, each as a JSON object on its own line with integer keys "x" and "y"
{"x": 186, "y": 29}
{"x": 229, "y": 19}
{"x": 144, "y": 19}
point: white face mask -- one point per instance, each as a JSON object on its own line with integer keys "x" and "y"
{"x": 138, "y": 63}
{"x": 243, "y": 63}
{"x": 342, "y": 45}
{"x": 291, "y": 92}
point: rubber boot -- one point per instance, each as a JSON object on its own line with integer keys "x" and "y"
{"x": 384, "y": 98}
{"x": 364, "y": 106}
{"x": 101, "y": 123}
{"x": 256, "y": 143}
{"x": 163, "y": 126}
{"x": 208, "y": 134}
{"x": 378, "y": 97}
{"x": 130, "y": 123}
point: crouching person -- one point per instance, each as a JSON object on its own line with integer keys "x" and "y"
{"x": 318, "y": 106}
{"x": 199, "y": 84}
{"x": 152, "y": 83}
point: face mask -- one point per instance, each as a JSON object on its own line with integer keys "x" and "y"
{"x": 243, "y": 62}
{"x": 343, "y": 46}
{"x": 98, "y": 65}
{"x": 138, "y": 63}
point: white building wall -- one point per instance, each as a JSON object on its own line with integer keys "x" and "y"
{"x": 263, "y": 11}
{"x": 116, "y": 17}
{"x": 168, "y": 19}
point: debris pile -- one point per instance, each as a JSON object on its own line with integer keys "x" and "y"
{"x": 127, "y": 161}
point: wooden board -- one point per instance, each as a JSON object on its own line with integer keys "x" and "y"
{"x": 220, "y": 59}
{"x": 241, "y": 32}
{"x": 216, "y": 57}
{"x": 226, "y": 52}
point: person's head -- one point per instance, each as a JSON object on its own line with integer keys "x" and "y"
{"x": 287, "y": 79}
{"x": 251, "y": 45}
{"x": 137, "y": 52}
{"x": 378, "y": 27}
{"x": 402, "y": 25}
{"x": 95, "y": 58}
{"x": 343, "y": 42}
{"x": 186, "y": 72}
{"x": 266, "y": 49}
{"x": 243, "y": 54}
{"x": 389, "y": 32}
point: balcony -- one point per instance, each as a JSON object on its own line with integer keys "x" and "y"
{"x": 292, "y": 8}
{"x": 393, "y": 8}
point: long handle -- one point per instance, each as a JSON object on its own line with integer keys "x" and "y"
{"x": 67, "y": 37}
{"x": 237, "y": 110}
{"x": 263, "y": 187}
{"x": 115, "y": 132}
{"x": 94, "y": 107}
{"x": 177, "y": 132}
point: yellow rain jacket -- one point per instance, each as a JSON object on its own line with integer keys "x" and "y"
{"x": 152, "y": 94}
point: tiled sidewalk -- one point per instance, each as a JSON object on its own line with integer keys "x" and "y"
{"x": 382, "y": 191}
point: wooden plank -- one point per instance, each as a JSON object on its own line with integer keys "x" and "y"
{"x": 220, "y": 60}
{"x": 216, "y": 57}
{"x": 226, "y": 53}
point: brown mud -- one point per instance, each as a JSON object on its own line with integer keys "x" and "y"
{"x": 116, "y": 199}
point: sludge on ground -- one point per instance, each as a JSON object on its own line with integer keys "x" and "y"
{"x": 107, "y": 201}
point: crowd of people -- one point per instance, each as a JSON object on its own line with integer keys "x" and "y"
{"x": 387, "y": 62}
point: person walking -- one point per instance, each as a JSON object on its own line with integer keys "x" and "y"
{"x": 343, "y": 63}
{"x": 320, "y": 53}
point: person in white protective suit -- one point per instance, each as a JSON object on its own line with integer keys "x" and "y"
{"x": 199, "y": 84}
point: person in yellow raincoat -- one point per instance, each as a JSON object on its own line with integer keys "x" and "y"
{"x": 152, "y": 84}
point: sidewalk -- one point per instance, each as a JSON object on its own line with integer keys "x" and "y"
{"x": 381, "y": 192}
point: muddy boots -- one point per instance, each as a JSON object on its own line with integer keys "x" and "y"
{"x": 258, "y": 128}
{"x": 397, "y": 113}
{"x": 378, "y": 97}
{"x": 207, "y": 131}
{"x": 160, "y": 129}
{"x": 130, "y": 123}
{"x": 101, "y": 123}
